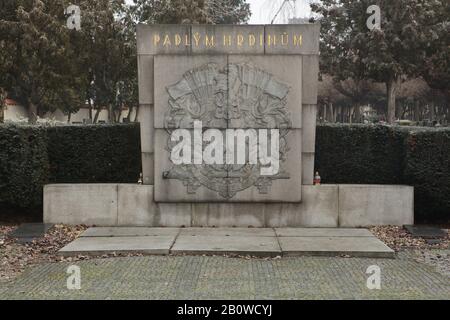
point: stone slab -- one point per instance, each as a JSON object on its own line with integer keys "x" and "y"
{"x": 318, "y": 209}
{"x": 238, "y": 241}
{"x": 147, "y": 131}
{"x": 156, "y": 245}
{"x": 247, "y": 215}
{"x": 27, "y": 232}
{"x": 285, "y": 70}
{"x": 172, "y": 188}
{"x": 286, "y": 186}
{"x": 323, "y": 232}
{"x": 228, "y": 232}
{"x": 293, "y": 39}
{"x": 309, "y": 45}
{"x": 163, "y": 39}
{"x": 335, "y": 246}
{"x": 129, "y": 232}
{"x": 174, "y": 215}
{"x": 310, "y": 79}
{"x": 309, "y": 128}
{"x": 239, "y": 245}
{"x": 99, "y": 204}
{"x": 30, "y": 230}
{"x": 373, "y": 205}
{"x": 308, "y": 160}
{"x": 227, "y": 39}
{"x": 170, "y": 179}
{"x": 148, "y": 168}
{"x": 89, "y": 204}
{"x": 145, "y": 76}
{"x": 170, "y": 70}
{"x": 426, "y": 232}
{"x": 135, "y": 205}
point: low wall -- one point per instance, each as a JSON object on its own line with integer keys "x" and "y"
{"x": 322, "y": 206}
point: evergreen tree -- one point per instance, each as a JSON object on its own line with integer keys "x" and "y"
{"x": 38, "y": 66}
{"x": 391, "y": 54}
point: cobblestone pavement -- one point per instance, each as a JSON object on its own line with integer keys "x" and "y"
{"x": 199, "y": 277}
{"x": 439, "y": 259}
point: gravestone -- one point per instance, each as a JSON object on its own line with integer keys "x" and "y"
{"x": 224, "y": 91}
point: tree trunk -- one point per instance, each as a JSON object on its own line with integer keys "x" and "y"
{"x": 417, "y": 110}
{"x": 432, "y": 112}
{"x": 130, "y": 110}
{"x": 350, "y": 115}
{"x": 3, "y": 96}
{"x": 392, "y": 87}
{"x": 2, "y": 112}
{"x": 111, "y": 117}
{"x": 357, "y": 113}
{"x": 32, "y": 113}
{"x": 333, "y": 113}
{"x": 97, "y": 114}
{"x": 90, "y": 109}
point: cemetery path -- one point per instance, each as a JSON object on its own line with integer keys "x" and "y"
{"x": 214, "y": 277}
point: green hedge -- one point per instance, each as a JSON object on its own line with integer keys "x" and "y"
{"x": 362, "y": 154}
{"x": 24, "y": 167}
{"x": 32, "y": 156}
{"x": 94, "y": 154}
{"x": 428, "y": 169}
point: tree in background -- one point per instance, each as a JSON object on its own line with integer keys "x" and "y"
{"x": 108, "y": 58}
{"x": 191, "y": 11}
{"x": 2, "y": 104}
{"x": 39, "y": 71}
{"x": 390, "y": 54}
{"x": 436, "y": 67}
{"x": 45, "y": 66}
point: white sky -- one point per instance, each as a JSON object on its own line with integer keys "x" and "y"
{"x": 263, "y": 11}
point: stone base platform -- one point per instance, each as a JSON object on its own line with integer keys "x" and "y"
{"x": 264, "y": 242}
{"x": 325, "y": 206}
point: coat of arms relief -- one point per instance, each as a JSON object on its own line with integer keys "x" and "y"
{"x": 240, "y": 95}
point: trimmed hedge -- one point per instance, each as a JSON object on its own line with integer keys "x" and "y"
{"x": 360, "y": 154}
{"x": 363, "y": 154}
{"x": 94, "y": 154}
{"x": 428, "y": 169}
{"x": 24, "y": 167}
{"x": 33, "y": 156}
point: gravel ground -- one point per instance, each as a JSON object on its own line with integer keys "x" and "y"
{"x": 16, "y": 257}
{"x": 398, "y": 239}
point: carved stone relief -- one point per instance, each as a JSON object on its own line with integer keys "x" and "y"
{"x": 241, "y": 92}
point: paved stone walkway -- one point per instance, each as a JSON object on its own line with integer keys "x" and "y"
{"x": 197, "y": 277}
{"x": 264, "y": 242}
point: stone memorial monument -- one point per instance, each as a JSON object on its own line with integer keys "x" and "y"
{"x": 236, "y": 80}
{"x": 228, "y": 122}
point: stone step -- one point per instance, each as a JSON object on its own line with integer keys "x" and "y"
{"x": 28, "y": 232}
{"x": 232, "y": 241}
